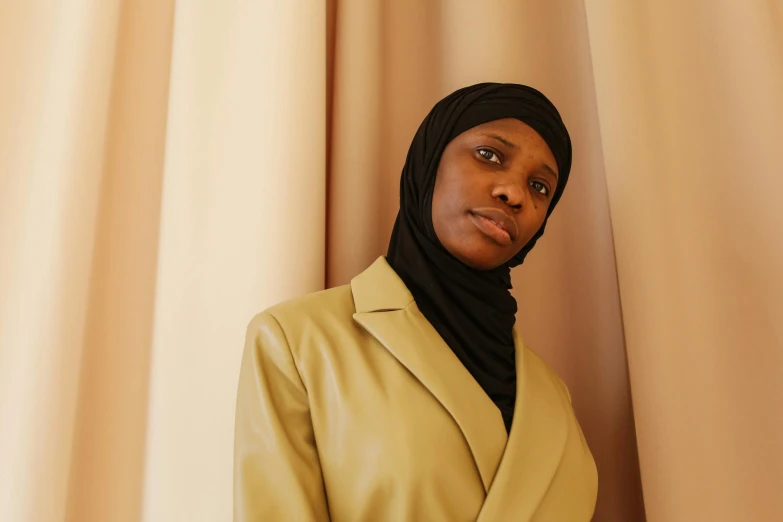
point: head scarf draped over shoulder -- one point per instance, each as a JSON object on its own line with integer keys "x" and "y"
{"x": 472, "y": 310}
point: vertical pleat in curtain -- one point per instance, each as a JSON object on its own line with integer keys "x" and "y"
{"x": 166, "y": 171}
{"x": 690, "y": 104}
{"x": 242, "y": 227}
{"x": 57, "y": 66}
{"x": 163, "y": 179}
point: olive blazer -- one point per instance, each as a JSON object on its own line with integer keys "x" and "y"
{"x": 352, "y": 408}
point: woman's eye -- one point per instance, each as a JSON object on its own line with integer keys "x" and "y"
{"x": 540, "y": 187}
{"x": 489, "y": 155}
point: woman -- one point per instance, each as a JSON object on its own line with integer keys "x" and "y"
{"x": 408, "y": 394}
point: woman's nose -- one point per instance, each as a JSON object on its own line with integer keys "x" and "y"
{"x": 512, "y": 194}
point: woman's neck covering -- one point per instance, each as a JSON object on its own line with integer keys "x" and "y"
{"x": 472, "y": 310}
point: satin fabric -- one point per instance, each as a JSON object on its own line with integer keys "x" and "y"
{"x": 472, "y": 310}
{"x": 351, "y": 408}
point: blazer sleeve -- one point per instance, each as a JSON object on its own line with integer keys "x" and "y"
{"x": 277, "y": 474}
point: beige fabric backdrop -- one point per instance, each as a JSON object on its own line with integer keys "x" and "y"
{"x": 167, "y": 171}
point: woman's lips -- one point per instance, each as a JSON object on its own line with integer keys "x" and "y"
{"x": 495, "y": 226}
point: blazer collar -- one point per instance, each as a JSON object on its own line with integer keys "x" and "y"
{"x": 528, "y": 458}
{"x": 379, "y": 288}
{"x": 386, "y": 309}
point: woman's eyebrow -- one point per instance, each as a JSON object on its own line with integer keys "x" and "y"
{"x": 502, "y": 140}
{"x": 548, "y": 169}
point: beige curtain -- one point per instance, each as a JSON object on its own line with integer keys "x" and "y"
{"x": 167, "y": 170}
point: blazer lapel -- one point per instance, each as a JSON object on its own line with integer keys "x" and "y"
{"x": 386, "y": 309}
{"x": 536, "y": 443}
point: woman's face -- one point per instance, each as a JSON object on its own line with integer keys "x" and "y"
{"x": 492, "y": 190}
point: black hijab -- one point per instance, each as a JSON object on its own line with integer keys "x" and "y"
{"x": 472, "y": 310}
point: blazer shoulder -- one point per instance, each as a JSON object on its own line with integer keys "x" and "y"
{"x": 539, "y": 365}
{"x": 311, "y": 327}
{"x": 324, "y": 310}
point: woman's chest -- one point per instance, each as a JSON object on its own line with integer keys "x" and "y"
{"x": 386, "y": 443}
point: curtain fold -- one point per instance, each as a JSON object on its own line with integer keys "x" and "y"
{"x": 241, "y": 228}
{"x": 107, "y": 463}
{"x": 56, "y": 64}
{"x": 167, "y": 170}
{"x": 691, "y": 112}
